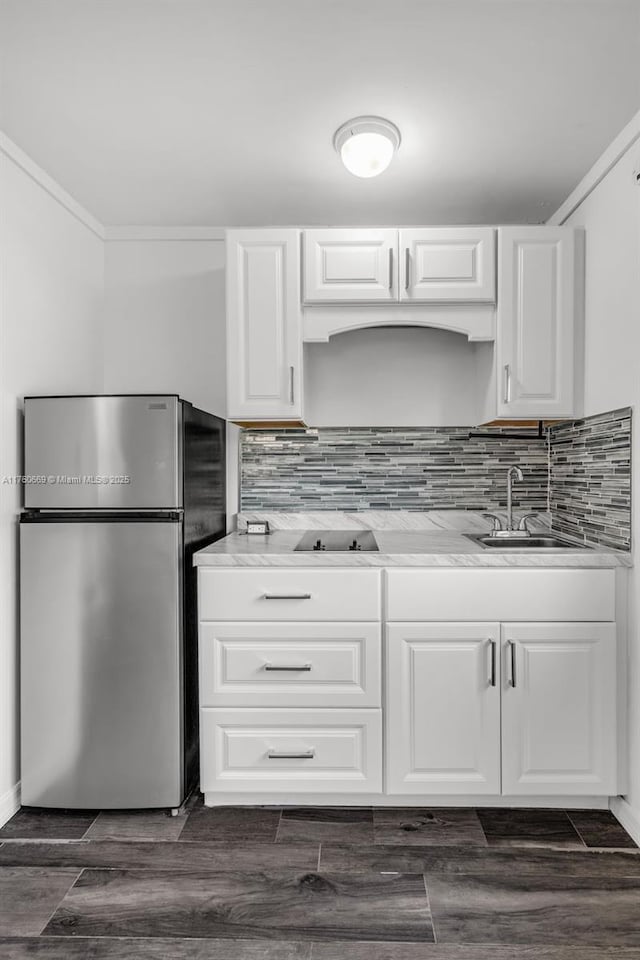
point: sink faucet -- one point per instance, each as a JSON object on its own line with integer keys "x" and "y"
{"x": 512, "y": 472}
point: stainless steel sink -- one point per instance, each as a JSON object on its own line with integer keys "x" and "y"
{"x": 547, "y": 542}
{"x": 337, "y": 541}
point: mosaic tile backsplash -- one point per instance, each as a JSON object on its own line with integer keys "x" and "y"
{"x": 389, "y": 469}
{"x": 581, "y": 472}
{"x": 590, "y": 472}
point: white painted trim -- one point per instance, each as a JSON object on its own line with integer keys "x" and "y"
{"x": 616, "y": 149}
{"x": 627, "y": 816}
{"x": 9, "y": 803}
{"x": 27, "y": 165}
{"x": 246, "y": 798}
{"x": 112, "y": 234}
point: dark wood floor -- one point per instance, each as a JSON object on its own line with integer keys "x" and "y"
{"x": 319, "y": 884}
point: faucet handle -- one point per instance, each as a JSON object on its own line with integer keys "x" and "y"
{"x": 497, "y": 522}
{"x": 522, "y": 524}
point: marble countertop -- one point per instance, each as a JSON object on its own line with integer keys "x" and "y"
{"x": 428, "y": 546}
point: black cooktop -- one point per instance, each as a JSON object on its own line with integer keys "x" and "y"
{"x": 335, "y": 541}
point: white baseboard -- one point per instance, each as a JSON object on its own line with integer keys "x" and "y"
{"x": 246, "y": 798}
{"x": 628, "y": 817}
{"x": 9, "y": 803}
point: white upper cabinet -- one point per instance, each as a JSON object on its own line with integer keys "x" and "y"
{"x": 448, "y": 264}
{"x": 264, "y": 337}
{"x": 559, "y": 709}
{"x": 348, "y": 265}
{"x": 430, "y": 264}
{"x": 536, "y": 328}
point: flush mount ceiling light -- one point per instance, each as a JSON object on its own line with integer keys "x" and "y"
{"x": 366, "y": 145}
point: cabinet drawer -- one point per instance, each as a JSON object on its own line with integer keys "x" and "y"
{"x": 303, "y": 751}
{"x": 290, "y": 665}
{"x": 285, "y": 594}
{"x": 517, "y": 594}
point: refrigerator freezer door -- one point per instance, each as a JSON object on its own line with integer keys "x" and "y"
{"x": 101, "y": 664}
{"x": 103, "y": 453}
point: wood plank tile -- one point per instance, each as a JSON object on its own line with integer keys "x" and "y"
{"x": 34, "y": 823}
{"x": 556, "y": 909}
{"x": 93, "y": 948}
{"x": 214, "y": 857}
{"x": 308, "y": 906}
{"x": 453, "y": 861}
{"x": 136, "y": 825}
{"x": 599, "y": 828}
{"x": 28, "y": 897}
{"x": 231, "y": 823}
{"x": 417, "y": 827}
{"x": 352, "y": 824}
{"x": 90, "y": 948}
{"x": 507, "y": 827}
{"x": 339, "y": 950}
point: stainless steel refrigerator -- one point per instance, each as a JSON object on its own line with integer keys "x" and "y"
{"x": 120, "y": 491}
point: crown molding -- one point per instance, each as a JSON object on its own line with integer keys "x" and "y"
{"x": 39, "y": 176}
{"x": 123, "y": 234}
{"x": 616, "y": 149}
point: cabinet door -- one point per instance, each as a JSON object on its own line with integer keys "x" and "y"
{"x": 535, "y": 322}
{"x": 264, "y": 335}
{"x": 443, "y": 708}
{"x": 448, "y": 264}
{"x": 350, "y": 265}
{"x": 559, "y": 708}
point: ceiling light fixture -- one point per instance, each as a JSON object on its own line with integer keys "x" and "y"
{"x": 366, "y": 145}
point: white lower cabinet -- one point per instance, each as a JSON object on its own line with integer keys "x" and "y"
{"x": 559, "y": 709}
{"x": 489, "y": 683}
{"x": 443, "y": 708}
{"x": 297, "y": 751}
{"x": 541, "y": 722}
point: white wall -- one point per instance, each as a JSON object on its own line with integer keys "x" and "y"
{"x": 611, "y": 217}
{"x": 401, "y": 376}
{"x": 164, "y": 327}
{"x": 164, "y": 320}
{"x": 50, "y": 342}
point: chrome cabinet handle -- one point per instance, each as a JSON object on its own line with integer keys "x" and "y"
{"x": 390, "y": 268}
{"x": 290, "y": 755}
{"x": 286, "y": 596}
{"x": 292, "y": 667}
{"x": 512, "y": 651}
{"x": 291, "y": 386}
{"x": 507, "y": 383}
{"x": 407, "y": 267}
{"x": 492, "y": 675}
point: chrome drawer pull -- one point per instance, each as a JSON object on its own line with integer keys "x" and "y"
{"x": 293, "y": 667}
{"x": 286, "y": 596}
{"x": 290, "y": 755}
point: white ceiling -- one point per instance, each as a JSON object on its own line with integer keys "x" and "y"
{"x": 221, "y": 112}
